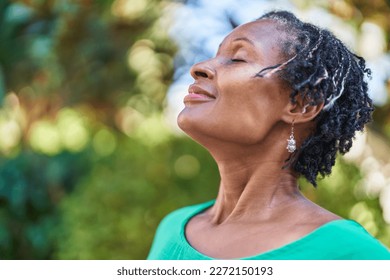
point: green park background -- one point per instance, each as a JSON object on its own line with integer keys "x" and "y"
{"x": 88, "y": 163}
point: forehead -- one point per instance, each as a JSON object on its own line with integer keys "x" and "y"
{"x": 263, "y": 34}
{"x": 261, "y": 27}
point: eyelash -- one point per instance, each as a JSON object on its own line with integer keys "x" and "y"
{"x": 237, "y": 60}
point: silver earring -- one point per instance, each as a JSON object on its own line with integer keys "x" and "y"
{"x": 291, "y": 143}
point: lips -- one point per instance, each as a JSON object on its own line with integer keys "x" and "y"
{"x": 198, "y": 94}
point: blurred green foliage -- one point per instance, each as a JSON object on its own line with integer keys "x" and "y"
{"x": 31, "y": 186}
{"x": 88, "y": 166}
{"x": 113, "y": 213}
{"x": 72, "y": 84}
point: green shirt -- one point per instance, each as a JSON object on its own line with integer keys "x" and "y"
{"x": 335, "y": 240}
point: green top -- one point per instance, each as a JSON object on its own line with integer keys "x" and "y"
{"x": 335, "y": 240}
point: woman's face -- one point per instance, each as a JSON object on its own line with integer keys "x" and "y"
{"x": 227, "y": 102}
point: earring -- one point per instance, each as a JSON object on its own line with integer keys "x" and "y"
{"x": 291, "y": 143}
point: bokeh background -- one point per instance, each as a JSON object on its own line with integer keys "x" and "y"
{"x": 90, "y": 155}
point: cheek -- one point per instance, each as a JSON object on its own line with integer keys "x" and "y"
{"x": 250, "y": 111}
{"x": 254, "y": 101}
{"x": 245, "y": 111}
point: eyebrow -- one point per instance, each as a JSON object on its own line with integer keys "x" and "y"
{"x": 242, "y": 39}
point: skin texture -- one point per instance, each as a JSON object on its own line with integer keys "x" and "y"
{"x": 244, "y": 122}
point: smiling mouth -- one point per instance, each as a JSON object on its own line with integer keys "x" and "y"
{"x": 197, "y": 94}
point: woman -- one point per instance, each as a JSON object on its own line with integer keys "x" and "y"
{"x": 278, "y": 101}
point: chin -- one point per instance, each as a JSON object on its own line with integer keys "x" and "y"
{"x": 188, "y": 125}
{"x": 182, "y": 120}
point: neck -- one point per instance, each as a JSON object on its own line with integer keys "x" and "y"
{"x": 253, "y": 187}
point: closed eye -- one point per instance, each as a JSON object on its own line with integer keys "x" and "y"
{"x": 237, "y": 60}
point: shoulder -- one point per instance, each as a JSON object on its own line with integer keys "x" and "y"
{"x": 169, "y": 241}
{"x": 349, "y": 240}
{"x": 182, "y": 215}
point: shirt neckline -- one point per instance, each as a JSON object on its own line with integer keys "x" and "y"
{"x": 288, "y": 246}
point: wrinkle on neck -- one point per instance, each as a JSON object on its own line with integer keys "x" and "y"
{"x": 253, "y": 191}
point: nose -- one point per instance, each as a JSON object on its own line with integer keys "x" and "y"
{"x": 202, "y": 70}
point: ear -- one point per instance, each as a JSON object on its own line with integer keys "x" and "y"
{"x": 301, "y": 111}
